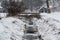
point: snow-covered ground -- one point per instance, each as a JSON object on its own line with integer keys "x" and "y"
{"x": 11, "y": 28}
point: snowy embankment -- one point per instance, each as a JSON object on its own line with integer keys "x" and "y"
{"x": 49, "y": 27}
{"x": 54, "y": 15}
{"x": 11, "y": 29}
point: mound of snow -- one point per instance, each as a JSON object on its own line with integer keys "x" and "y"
{"x": 11, "y": 29}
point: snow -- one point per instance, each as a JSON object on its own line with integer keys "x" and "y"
{"x": 3, "y": 15}
{"x": 54, "y": 15}
{"x": 11, "y": 28}
{"x": 50, "y": 26}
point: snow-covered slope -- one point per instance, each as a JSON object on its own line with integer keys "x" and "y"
{"x": 11, "y": 29}
{"x": 54, "y": 15}
{"x": 49, "y": 27}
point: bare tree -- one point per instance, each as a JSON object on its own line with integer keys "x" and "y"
{"x": 13, "y": 7}
{"x": 16, "y": 7}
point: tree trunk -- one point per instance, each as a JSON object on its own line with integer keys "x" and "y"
{"x": 48, "y": 8}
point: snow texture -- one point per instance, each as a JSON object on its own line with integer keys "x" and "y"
{"x": 49, "y": 27}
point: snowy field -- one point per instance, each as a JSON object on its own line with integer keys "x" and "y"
{"x": 11, "y": 28}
